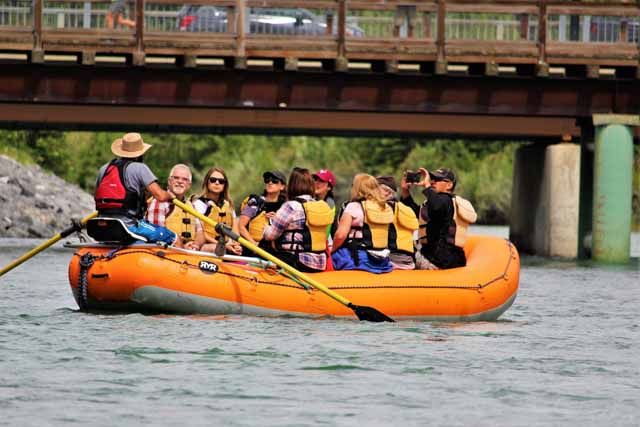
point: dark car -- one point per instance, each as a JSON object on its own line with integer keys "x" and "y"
{"x": 261, "y": 21}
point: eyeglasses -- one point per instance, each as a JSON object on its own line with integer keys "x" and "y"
{"x": 272, "y": 181}
{"x": 214, "y": 180}
{"x": 179, "y": 178}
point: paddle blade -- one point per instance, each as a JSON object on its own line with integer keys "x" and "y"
{"x": 370, "y": 314}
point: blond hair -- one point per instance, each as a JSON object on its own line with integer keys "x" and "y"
{"x": 366, "y": 187}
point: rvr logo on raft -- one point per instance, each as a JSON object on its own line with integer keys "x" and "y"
{"x": 208, "y": 266}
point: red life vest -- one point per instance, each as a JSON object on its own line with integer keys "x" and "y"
{"x": 112, "y": 197}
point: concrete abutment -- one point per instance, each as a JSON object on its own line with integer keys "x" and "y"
{"x": 564, "y": 192}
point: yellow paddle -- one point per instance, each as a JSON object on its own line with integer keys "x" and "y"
{"x": 45, "y": 245}
{"x": 364, "y": 313}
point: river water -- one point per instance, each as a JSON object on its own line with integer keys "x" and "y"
{"x": 566, "y": 353}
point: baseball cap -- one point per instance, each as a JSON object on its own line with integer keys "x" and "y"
{"x": 389, "y": 181}
{"x": 275, "y": 174}
{"x": 443, "y": 173}
{"x": 326, "y": 175}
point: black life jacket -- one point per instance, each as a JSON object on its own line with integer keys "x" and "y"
{"x": 112, "y": 197}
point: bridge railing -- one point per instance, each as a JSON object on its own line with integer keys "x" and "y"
{"x": 430, "y": 34}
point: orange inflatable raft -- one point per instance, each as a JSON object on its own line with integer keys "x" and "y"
{"x": 152, "y": 279}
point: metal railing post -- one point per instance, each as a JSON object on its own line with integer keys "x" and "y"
{"x": 86, "y": 16}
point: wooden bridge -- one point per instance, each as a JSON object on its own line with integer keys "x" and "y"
{"x": 516, "y": 69}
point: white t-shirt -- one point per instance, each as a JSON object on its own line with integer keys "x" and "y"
{"x": 354, "y": 210}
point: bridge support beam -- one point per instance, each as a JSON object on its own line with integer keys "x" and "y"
{"x": 612, "y": 185}
{"x": 545, "y": 202}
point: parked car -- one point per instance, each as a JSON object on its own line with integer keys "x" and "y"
{"x": 261, "y": 21}
{"x": 607, "y": 29}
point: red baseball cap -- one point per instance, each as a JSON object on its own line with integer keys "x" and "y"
{"x": 326, "y": 175}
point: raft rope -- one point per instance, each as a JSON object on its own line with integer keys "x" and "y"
{"x": 86, "y": 261}
{"x": 252, "y": 279}
{"x": 161, "y": 254}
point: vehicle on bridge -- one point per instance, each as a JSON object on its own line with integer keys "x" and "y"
{"x": 280, "y": 21}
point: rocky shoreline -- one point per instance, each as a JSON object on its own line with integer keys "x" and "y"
{"x": 36, "y": 203}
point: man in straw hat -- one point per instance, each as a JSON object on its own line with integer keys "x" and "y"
{"x": 121, "y": 185}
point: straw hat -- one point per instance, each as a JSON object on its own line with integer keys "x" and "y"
{"x": 130, "y": 146}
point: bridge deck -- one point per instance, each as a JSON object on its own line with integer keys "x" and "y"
{"x": 501, "y": 68}
{"x": 524, "y": 37}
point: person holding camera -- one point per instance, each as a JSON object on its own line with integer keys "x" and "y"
{"x": 444, "y": 218}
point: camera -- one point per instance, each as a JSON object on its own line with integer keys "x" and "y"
{"x": 413, "y": 177}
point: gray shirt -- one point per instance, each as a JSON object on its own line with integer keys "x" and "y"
{"x": 137, "y": 177}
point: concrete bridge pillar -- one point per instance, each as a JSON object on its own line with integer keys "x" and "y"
{"x": 545, "y": 204}
{"x": 612, "y": 186}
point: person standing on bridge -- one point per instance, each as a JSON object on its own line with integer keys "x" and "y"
{"x": 121, "y": 185}
{"x": 444, "y": 219}
{"x": 116, "y": 15}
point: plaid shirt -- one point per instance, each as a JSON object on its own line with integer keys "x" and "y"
{"x": 157, "y": 213}
{"x": 291, "y": 217}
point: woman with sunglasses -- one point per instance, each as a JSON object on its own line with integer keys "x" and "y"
{"x": 257, "y": 211}
{"x": 444, "y": 219}
{"x": 214, "y": 202}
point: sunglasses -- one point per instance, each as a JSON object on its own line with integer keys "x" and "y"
{"x": 434, "y": 179}
{"x": 272, "y": 181}
{"x": 214, "y": 180}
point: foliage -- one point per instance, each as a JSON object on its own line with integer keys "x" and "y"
{"x": 484, "y": 168}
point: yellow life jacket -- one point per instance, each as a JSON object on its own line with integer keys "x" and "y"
{"x": 464, "y": 214}
{"x": 318, "y": 215}
{"x": 405, "y": 224}
{"x": 258, "y": 223}
{"x": 377, "y": 222}
{"x": 220, "y": 214}
{"x": 181, "y": 223}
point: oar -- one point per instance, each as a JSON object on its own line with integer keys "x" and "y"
{"x": 364, "y": 313}
{"x": 76, "y": 226}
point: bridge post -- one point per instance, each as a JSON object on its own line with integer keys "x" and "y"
{"x": 542, "y": 67}
{"x": 545, "y": 199}
{"x": 612, "y": 185}
{"x": 37, "y": 54}
{"x": 138, "y": 57}
{"x": 441, "y": 61}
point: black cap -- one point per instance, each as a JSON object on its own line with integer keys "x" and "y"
{"x": 275, "y": 174}
{"x": 387, "y": 180}
{"x": 443, "y": 173}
